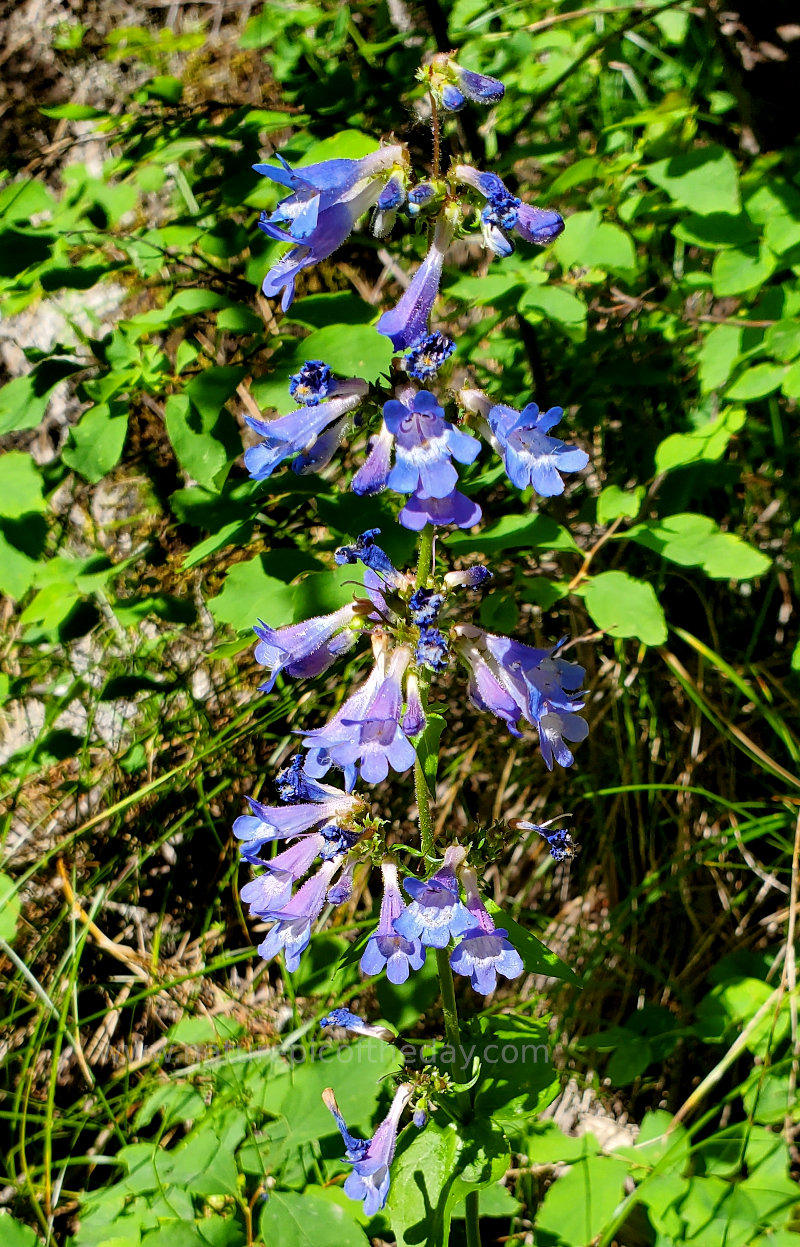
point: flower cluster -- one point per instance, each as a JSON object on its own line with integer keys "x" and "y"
{"x": 417, "y": 438}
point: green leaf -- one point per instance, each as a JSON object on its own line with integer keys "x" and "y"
{"x": 205, "y": 437}
{"x": 437, "y": 1170}
{"x": 15, "y": 1234}
{"x": 308, "y": 1220}
{"x": 626, "y": 607}
{"x": 23, "y": 401}
{"x": 756, "y": 382}
{"x": 740, "y": 270}
{"x": 582, "y": 1201}
{"x": 716, "y": 231}
{"x": 783, "y": 339}
{"x": 96, "y": 442}
{"x": 480, "y": 291}
{"x": 536, "y": 957}
{"x": 21, "y": 486}
{"x": 590, "y": 242}
{"x": 513, "y": 532}
{"x": 517, "y": 1078}
{"x": 9, "y": 909}
{"x": 250, "y": 593}
{"x": 693, "y": 540}
{"x": 709, "y": 442}
{"x": 427, "y": 747}
{"x": 17, "y": 570}
{"x": 19, "y": 201}
{"x": 556, "y": 304}
{"x": 705, "y": 180}
{"x": 614, "y": 502}
{"x": 718, "y": 356}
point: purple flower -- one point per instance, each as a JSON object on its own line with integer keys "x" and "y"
{"x": 356, "y": 1025}
{"x": 424, "y": 606}
{"x": 432, "y": 649}
{"x": 425, "y": 445}
{"x": 436, "y": 913}
{"x": 515, "y": 681}
{"x": 301, "y": 432}
{"x": 308, "y": 648}
{"x": 318, "y": 216}
{"x": 312, "y": 384}
{"x": 520, "y": 438}
{"x": 392, "y": 197}
{"x": 473, "y": 578}
{"x": 372, "y": 556}
{"x": 504, "y": 212}
{"x": 371, "y": 1159}
{"x": 426, "y": 357}
{"x": 292, "y": 922}
{"x": 456, "y": 509}
{"x": 373, "y": 474}
{"x": 366, "y": 731}
{"x": 484, "y": 950}
{"x": 273, "y": 889}
{"x": 479, "y": 88}
{"x": 407, "y": 323}
{"x": 414, "y": 719}
{"x": 562, "y": 847}
{"x": 266, "y": 824}
{"x": 386, "y": 947}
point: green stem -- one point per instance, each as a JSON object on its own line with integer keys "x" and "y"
{"x": 423, "y": 809}
{"x": 424, "y": 556}
{"x": 451, "y": 1028}
{"x": 472, "y": 1219}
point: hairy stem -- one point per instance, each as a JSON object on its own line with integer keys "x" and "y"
{"x": 424, "y": 556}
{"x": 437, "y": 147}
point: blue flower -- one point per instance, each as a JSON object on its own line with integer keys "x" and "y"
{"x": 432, "y": 649}
{"x": 479, "y": 88}
{"x": 373, "y": 474}
{"x": 424, "y": 446}
{"x": 372, "y": 556}
{"x": 562, "y": 847}
{"x": 414, "y": 719}
{"x": 426, "y": 357}
{"x": 291, "y": 930}
{"x": 515, "y": 681}
{"x": 484, "y": 950}
{"x": 356, "y": 1025}
{"x": 424, "y": 197}
{"x": 456, "y": 509}
{"x": 472, "y": 578}
{"x": 265, "y": 824}
{"x": 313, "y": 383}
{"x": 366, "y": 731}
{"x": 424, "y": 606}
{"x": 436, "y": 913}
{"x": 407, "y": 322}
{"x": 392, "y": 197}
{"x": 325, "y": 202}
{"x": 386, "y": 948}
{"x": 300, "y": 432}
{"x": 273, "y": 889}
{"x": 371, "y": 1159}
{"x": 520, "y": 438}
{"x": 504, "y": 212}
{"x": 308, "y": 648}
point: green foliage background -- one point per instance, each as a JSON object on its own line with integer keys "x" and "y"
{"x": 145, "y": 1086}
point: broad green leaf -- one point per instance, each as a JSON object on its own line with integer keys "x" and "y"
{"x": 626, "y": 607}
{"x": 718, "y": 356}
{"x": 614, "y": 502}
{"x": 583, "y": 1200}
{"x": 96, "y": 442}
{"x": 9, "y": 910}
{"x": 478, "y": 291}
{"x": 590, "y": 242}
{"x": 693, "y": 540}
{"x": 21, "y": 486}
{"x": 19, "y": 201}
{"x": 555, "y": 303}
{"x": 783, "y": 339}
{"x": 15, "y": 1234}
{"x": 517, "y": 1077}
{"x": 705, "y": 180}
{"x": 308, "y": 1220}
{"x": 205, "y": 438}
{"x": 741, "y": 269}
{"x": 716, "y": 231}
{"x": 344, "y": 145}
{"x": 791, "y": 382}
{"x": 427, "y": 747}
{"x": 316, "y": 311}
{"x": 435, "y": 1171}
{"x": 513, "y": 532}
{"x": 250, "y": 593}
{"x": 706, "y": 443}
{"x": 23, "y": 401}
{"x": 17, "y": 570}
{"x": 756, "y": 382}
